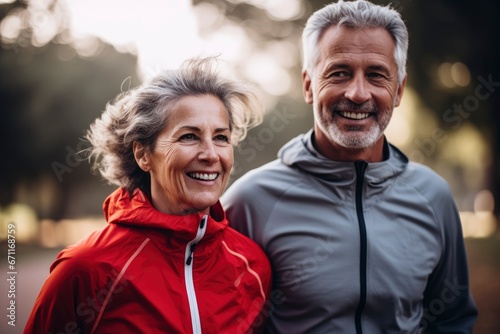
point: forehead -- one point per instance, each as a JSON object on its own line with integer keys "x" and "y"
{"x": 361, "y": 43}
{"x": 197, "y": 110}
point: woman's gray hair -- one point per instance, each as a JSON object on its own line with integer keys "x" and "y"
{"x": 355, "y": 14}
{"x": 139, "y": 115}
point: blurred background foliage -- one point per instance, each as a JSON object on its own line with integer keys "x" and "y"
{"x": 53, "y": 85}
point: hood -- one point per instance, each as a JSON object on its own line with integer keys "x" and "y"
{"x": 137, "y": 210}
{"x": 300, "y": 153}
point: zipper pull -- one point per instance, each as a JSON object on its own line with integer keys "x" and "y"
{"x": 199, "y": 235}
{"x": 191, "y": 250}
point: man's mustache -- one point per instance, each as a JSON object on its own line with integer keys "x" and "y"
{"x": 369, "y": 107}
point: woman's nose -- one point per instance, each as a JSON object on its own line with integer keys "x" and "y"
{"x": 208, "y": 152}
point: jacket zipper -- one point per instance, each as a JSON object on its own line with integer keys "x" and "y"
{"x": 360, "y": 178}
{"x": 188, "y": 275}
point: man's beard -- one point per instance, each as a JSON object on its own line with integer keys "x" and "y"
{"x": 350, "y": 137}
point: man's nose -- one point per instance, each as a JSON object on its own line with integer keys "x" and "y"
{"x": 358, "y": 90}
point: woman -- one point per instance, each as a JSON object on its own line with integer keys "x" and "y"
{"x": 167, "y": 262}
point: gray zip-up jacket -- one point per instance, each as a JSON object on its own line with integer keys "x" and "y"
{"x": 356, "y": 247}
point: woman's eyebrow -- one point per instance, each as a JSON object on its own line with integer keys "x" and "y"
{"x": 197, "y": 129}
{"x": 189, "y": 127}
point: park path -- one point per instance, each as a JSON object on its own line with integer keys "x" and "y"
{"x": 32, "y": 267}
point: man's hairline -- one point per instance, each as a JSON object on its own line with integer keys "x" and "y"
{"x": 309, "y": 68}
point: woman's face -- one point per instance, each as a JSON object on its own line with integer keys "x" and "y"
{"x": 192, "y": 156}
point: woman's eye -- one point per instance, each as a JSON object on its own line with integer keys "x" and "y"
{"x": 188, "y": 137}
{"x": 222, "y": 138}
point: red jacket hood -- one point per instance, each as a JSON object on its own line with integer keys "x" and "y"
{"x": 137, "y": 210}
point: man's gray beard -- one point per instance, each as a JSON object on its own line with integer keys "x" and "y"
{"x": 349, "y": 139}
{"x": 354, "y": 140}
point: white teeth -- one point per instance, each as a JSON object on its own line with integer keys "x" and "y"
{"x": 204, "y": 176}
{"x": 355, "y": 115}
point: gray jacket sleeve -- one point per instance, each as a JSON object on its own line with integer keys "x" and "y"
{"x": 448, "y": 305}
{"x": 240, "y": 209}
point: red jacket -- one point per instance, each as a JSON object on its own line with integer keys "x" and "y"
{"x": 149, "y": 272}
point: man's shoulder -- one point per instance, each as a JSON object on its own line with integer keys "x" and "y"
{"x": 272, "y": 175}
{"x": 242, "y": 244}
{"x": 426, "y": 181}
{"x": 424, "y": 173}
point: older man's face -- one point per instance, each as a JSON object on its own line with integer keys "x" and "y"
{"x": 354, "y": 87}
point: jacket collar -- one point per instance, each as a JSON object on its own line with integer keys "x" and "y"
{"x": 137, "y": 210}
{"x": 300, "y": 152}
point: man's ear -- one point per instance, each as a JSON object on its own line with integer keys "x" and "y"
{"x": 399, "y": 93}
{"x": 141, "y": 156}
{"x": 306, "y": 87}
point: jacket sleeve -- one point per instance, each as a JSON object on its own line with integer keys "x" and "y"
{"x": 248, "y": 202}
{"x": 242, "y": 206}
{"x": 448, "y": 304}
{"x": 65, "y": 303}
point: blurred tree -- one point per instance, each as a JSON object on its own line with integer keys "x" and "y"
{"x": 52, "y": 87}
{"x": 463, "y": 34}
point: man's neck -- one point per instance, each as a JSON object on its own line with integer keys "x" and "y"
{"x": 335, "y": 152}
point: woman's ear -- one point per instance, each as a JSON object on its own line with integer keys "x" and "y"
{"x": 141, "y": 156}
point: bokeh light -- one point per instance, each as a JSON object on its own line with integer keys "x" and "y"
{"x": 455, "y": 74}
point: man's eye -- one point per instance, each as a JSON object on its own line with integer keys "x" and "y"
{"x": 339, "y": 74}
{"x": 375, "y": 75}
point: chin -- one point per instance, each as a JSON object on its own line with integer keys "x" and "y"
{"x": 204, "y": 205}
{"x": 355, "y": 141}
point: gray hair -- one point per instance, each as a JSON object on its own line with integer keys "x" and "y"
{"x": 355, "y": 14}
{"x": 141, "y": 113}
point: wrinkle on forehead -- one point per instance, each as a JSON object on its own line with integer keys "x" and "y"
{"x": 345, "y": 40}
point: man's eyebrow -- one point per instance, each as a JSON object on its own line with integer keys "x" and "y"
{"x": 341, "y": 65}
{"x": 334, "y": 65}
{"x": 381, "y": 68}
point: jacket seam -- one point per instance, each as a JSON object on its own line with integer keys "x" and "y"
{"x": 115, "y": 283}
{"x": 250, "y": 270}
{"x": 432, "y": 209}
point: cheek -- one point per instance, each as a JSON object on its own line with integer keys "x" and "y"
{"x": 391, "y": 93}
{"x": 326, "y": 96}
{"x": 228, "y": 158}
{"x": 166, "y": 157}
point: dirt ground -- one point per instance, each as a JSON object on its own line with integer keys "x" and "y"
{"x": 484, "y": 268}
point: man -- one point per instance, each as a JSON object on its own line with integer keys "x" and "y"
{"x": 360, "y": 239}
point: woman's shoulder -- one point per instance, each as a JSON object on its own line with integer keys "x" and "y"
{"x": 239, "y": 243}
{"x": 102, "y": 249}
